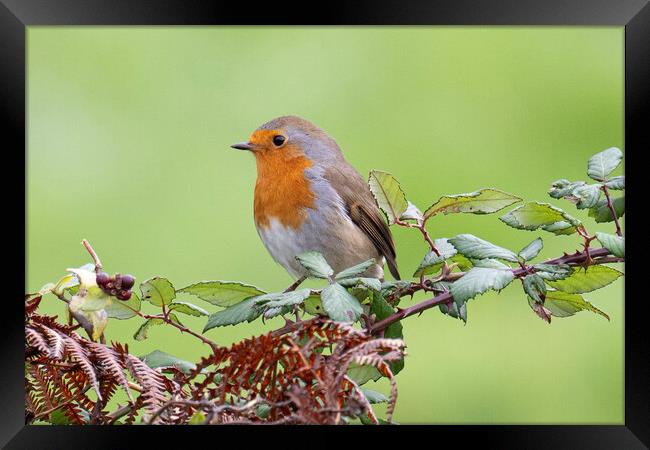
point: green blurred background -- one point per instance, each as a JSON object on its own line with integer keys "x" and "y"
{"x": 128, "y": 146}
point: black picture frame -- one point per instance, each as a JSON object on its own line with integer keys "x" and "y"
{"x": 634, "y": 15}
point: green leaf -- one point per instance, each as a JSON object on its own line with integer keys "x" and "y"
{"x": 158, "y": 291}
{"x": 124, "y": 309}
{"x": 368, "y": 283}
{"x": 283, "y": 298}
{"x": 617, "y": 183}
{"x": 57, "y": 417}
{"x": 587, "y": 196}
{"x": 531, "y": 250}
{"x": 355, "y": 270}
{"x": 489, "y": 263}
{"x": 143, "y": 331}
{"x": 315, "y": 264}
{"x": 534, "y": 215}
{"x": 314, "y": 306}
{"x": 339, "y": 304}
{"x": 534, "y": 286}
{"x": 374, "y": 396}
{"x": 381, "y": 309}
{"x": 581, "y": 281}
{"x": 412, "y": 213}
{"x": 95, "y": 299}
{"x": 553, "y": 272}
{"x": 188, "y": 308}
{"x": 222, "y": 293}
{"x": 613, "y": 243}
{"x": 475, "y": 247}
{"x": 432, "y": 262}
{"x": 158, "y": 358}
{"x": 559, "y": 228}
{"x": 601, "y": 212}
{"x": 198, "y": 418}
{"x": 477, "y": 281}
{"x": 388, "y": 194}
{"x": 484, "y": 201}
{"x": 244, "y": 311}
{"x": 564, "y": 188}
{"x": 602, "y": 164}
{"x": 562, "y": 304}
{"x": 66, "y": 282}
{"x": 362, "y": 374}
{"x": 455, "y": 311}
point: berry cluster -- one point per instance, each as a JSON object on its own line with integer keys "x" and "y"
{"x": 118, "y": 285}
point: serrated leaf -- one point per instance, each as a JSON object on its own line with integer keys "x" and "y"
{"x": 381, "y": 309}
{"x": 188, "y": 308}
{"x": 477, "y": 281}
{"x": 315, "y": 264}
{"x": 531, "y": 250}
{"x": 369, "y": 283}
{"x": 388, "y": 194}
{"x": 603, "y": 163}
{"x": 559, "y": 228}
{"x": 617, "y": 183}
{"x": 454, "y": 310}
{"x": 158, "y": 291}
{"x": 433, "y": 262}
{"x": 362, "y": 374}
{"x": 475, "y": 247}
{"x": 222, "y": 293}
{"x": 412, "y": 213}
{"x": 535, "y": 287}
{"x": 563, "y": 188}
{"x": 553, "y": 272}
{"x": 613, "y": 243}
{"x": 534, "y": 215}
{"x": 283, "y": 298}
{"x": 244, "y": 311}
{"x": 374, "y": 396}
{"x": 339, "y": 304}
{"x": 581, "y": 281}
{"x": 587, "y": 196}
{"x": 355, "y": 270}
{"x": 562, "y": 304}
{"x": 143, "y": 332}
{"x": 122, "y": 310}
{"x": 601, "y": 212}
{"x": 158, "y": 358}
{"x": 489, "y": 263}
{"x": 484, "y": 201}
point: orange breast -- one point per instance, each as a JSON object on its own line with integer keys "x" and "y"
{"x": 282, "y": 191}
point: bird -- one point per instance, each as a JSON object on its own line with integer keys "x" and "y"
{"x": 307, "y": 197}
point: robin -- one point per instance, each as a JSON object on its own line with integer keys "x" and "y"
{"x": 308, "y": 198}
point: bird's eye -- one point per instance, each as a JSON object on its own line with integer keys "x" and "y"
{"x": 278, "y": 140}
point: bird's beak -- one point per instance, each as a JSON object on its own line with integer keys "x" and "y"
{"x": 242, "y": 146}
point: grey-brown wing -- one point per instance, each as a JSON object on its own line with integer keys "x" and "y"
{"x": 363, "y": 210}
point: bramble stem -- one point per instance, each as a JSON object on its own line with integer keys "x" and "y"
{"x": 446, "y": 297}
{"x": 98, "y": 263}
{"x": 610, "y": 205}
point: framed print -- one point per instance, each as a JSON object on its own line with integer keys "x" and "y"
{"x": 367, "y": 216}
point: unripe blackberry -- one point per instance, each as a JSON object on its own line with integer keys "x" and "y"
{"x": 102, "y": 278}
{"x": 127, "y": 281}
{"x": 124, "y": 295}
